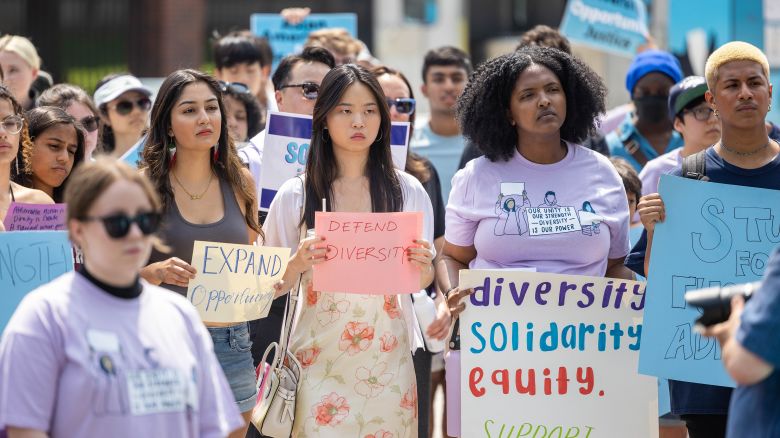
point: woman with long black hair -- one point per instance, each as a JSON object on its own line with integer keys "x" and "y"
{"x": 354, "y": 349}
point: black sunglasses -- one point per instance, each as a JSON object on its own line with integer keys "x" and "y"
{"x": 310, "y": 89}
{"x": 235, "y": 87}
{"x": 125, "y": 107}
{"x": 403, "y": 105}
{"x": 90, "y": 123}
{"x": 118, "y": 225}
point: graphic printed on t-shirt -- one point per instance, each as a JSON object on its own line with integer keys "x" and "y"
{"x": 516, "y": 216}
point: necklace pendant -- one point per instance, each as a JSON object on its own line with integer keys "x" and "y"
{"x": 195, "y": 197}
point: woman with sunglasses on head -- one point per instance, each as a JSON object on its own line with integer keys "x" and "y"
{"x": 124, "y": 105}
{"x": 78, "y": 104}
{"x": 244, "y": 115}
{"x": 13, "y": 138}
{"x": 207, "y": 195}
{"x": 101, "y": 352}
{"x": 352, "y": 355}
{"x": 401, "y": 103}
{"x": 57, "y": 149}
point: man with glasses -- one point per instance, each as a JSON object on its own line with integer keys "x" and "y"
{"x": 696, "y": 122}
{"x": 296, "y": 82}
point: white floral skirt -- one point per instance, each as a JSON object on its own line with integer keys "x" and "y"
{"x": 358, "y": 378}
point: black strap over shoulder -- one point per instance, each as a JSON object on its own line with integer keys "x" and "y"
{"x": 695, "y": 166}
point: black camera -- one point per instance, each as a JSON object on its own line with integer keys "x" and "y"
{"x": 715, "y": 302}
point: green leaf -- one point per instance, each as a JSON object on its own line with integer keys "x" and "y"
{"x": 360, "y": 420}
{"x": 339, "y": 379}
{"x": 328, "y": 366}
{"x": 377, "y": 420}
{"x": 358, "y": 312}
{"x": 396, "y": 389}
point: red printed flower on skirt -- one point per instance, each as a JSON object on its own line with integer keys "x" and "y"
{"x": 308, "y": 356}
{"x": 388, "y": 342}
{"x": 409, "y": 401}
{"x": 391, "y": 306}
{"x": 381, "y": 433}
{"x": 331, "y": 410}
{"x": 372, "y": 382}
{"x": 311, "y": 295}
{"x": 357, "y": 337}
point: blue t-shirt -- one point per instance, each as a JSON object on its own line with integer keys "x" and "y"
{"x": 756, "y": 408}
{"x": 444, "y": 153}
{"x": 626, "y": 132}
{"x": 695, "y": 398}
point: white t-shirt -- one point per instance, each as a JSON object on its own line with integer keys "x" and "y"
{"x": 651, "y": 173}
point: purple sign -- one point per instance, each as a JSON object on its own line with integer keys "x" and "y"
{"x": 35, "y": 217}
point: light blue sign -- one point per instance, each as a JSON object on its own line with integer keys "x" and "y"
{"x": 614, "y": 26}
{"x": 714, "y": 235}
{"x": 133, "y": 155}
{"x": 29, "y": 259}
{"x": 286, "y": 38}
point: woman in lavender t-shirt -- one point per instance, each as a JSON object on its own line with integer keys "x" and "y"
{"x": 536, "y": 200}
{"x": 99, "y": 352}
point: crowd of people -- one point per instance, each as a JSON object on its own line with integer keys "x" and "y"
{"x": 115, "y": 349}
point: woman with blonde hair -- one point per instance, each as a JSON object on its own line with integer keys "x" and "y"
{"x": 21, "y": 64}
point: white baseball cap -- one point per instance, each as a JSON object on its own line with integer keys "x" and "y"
{"x": 115, "y": 87}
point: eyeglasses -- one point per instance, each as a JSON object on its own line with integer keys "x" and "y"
{"x": 235, "y": 87}
{"x": 310, "y": 89}
{"x": 402, "y": 105}
{"x": 12, "y": 124}
{"x": 90, "y": 123}
{"x": 118, "y": 225}
{"x": 701, "y": 114}
{"x": 125, "y": 107}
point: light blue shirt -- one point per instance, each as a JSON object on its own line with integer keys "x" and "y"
{"x": 626, "y": 132}
{"x": 444, "y": 153}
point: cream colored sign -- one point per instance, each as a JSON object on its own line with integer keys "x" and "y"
{"x": 235, "y": 283}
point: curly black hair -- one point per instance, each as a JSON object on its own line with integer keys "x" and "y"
{"x": 483, "y": 107}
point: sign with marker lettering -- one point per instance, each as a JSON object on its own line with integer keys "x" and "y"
{"x": 550, "y": 355}
{"x": 286, "y": 39}
{"x": 235, "y": 283}
{"x": 618, "y": 27}
{"x": 367, "y": 252}
{"x": 35, "y": 217}
{"x": 286, "y": 150}
{"x": 713, "y": 235}
{"x": 29, "y": 259}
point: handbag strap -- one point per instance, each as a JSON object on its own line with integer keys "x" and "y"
{"x": 292, "y": 297}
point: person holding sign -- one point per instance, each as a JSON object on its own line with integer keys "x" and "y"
{"x": 57, "y": 149}
{"x": 357, "y": 376}
{"x": 207, "y": 195}
{"x": 740, "y": 94}
{"x": 101, "y": 353}
{"x": 13, "y": 138}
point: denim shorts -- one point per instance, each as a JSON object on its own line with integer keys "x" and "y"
{"x": 234, "y": 352}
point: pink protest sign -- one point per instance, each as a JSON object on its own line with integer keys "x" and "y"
{"x": 35, "y": 217}
{"x": 367, "y": 252}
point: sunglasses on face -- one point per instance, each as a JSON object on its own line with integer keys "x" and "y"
{"x": 402, "y": 105}
{"x": 125, "y": 107}
{"x": 310, "y": 89}
{"x": 90, "y": 123}
{"x": 12, "y": 124}
{"x": 234, "y": 87}
{"x": 701, "y": 114}
{"x": 118, "y": 225}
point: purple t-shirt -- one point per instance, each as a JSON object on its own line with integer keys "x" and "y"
{"x": 651, "y": 173}
{"x": 78, "y": 362}
{"x": 568, "y": 217}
